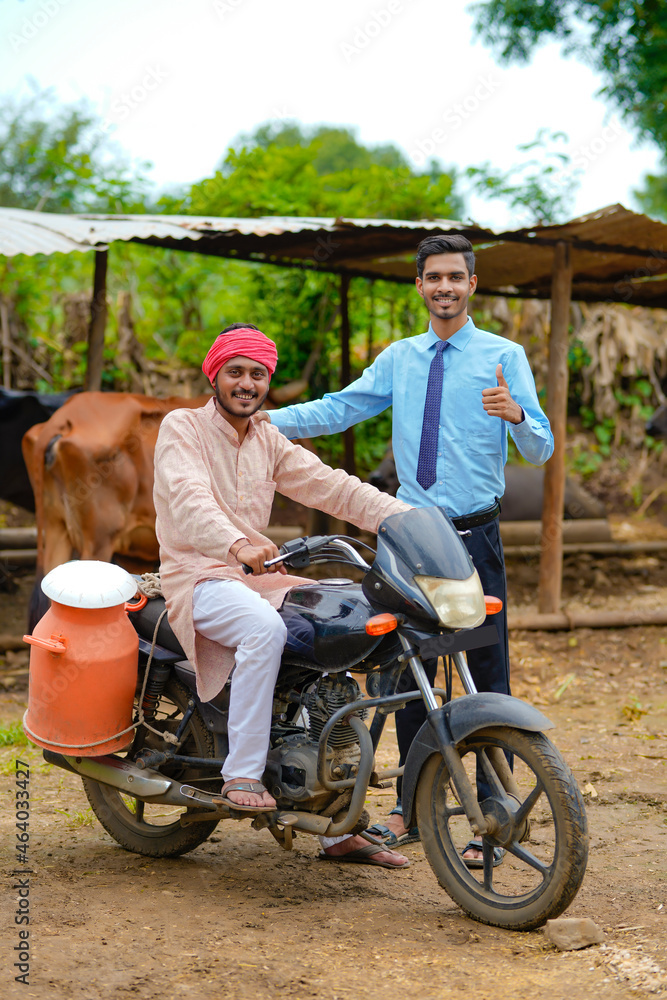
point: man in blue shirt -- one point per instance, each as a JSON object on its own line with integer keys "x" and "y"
{"x": 452, "y": 455}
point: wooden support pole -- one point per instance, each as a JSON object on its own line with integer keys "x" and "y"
{"x": 17, "y": 538}
{"x": 560, "y": 620}
{"x": 601, "y": 549}
{"x": 349, "y": 463}
{"x": 6, "y": 347}
{"x": 98, "y": 321}
{"x": 371, "y": 325}
{"x": 551, "y": 559}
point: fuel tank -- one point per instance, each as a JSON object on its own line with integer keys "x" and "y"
{"x": 333, "y": 616}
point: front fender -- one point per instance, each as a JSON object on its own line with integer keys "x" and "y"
{"x": 464, "y": 716}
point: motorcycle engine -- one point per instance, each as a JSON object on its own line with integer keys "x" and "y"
{"x": 325, "y": 698}
{"x": 291, "y": 767}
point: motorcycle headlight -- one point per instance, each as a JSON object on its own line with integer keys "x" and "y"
{"x": 457, "y": 603}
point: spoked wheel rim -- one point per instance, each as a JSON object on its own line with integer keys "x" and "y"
{"x": 155, "y": 828}
{"x": 542, "y": 831}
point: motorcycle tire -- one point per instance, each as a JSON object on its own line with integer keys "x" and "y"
{"x": 152, "y": 829}
{"x": 544, "y": 862}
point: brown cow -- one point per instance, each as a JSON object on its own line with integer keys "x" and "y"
{"x": 91, "y": 470}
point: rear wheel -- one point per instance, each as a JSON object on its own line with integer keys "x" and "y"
{"x": 154, "y": 829}
{"x": 543, "y": 831}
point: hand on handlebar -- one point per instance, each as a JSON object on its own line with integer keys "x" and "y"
{"x": 254, "y": 556}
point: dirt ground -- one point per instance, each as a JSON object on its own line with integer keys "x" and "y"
{"x": 242, "y": 916}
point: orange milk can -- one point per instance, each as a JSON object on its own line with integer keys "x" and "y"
{"x": 83, "y": 661}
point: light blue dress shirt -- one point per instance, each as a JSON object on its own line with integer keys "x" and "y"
{"x": 472, "y": 445}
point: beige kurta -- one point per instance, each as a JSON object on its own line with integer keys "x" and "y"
{"x": 210, "y": 491}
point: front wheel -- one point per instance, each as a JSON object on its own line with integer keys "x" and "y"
{"x": 151, "y": 828}
{"x": 543, "y": 831}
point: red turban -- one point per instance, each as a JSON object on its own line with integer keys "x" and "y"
{"x": 243, "y": 343}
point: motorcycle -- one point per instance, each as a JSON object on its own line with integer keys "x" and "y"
{"x": 480, "y": 765}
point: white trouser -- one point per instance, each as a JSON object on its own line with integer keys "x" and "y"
{"x": 232, "y": 614}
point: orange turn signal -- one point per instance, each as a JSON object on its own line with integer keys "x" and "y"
{"x": 379, "y": 624}
{"x": 493, "y": 605}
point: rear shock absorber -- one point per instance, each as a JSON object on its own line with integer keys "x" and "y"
{"x": 157, "y": 679}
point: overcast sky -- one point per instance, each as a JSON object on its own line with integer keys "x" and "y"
{"x": 176, "y": 80}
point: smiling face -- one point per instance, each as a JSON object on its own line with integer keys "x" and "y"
{"x": 446, "y": 287}
{"x": 241, "y": 386}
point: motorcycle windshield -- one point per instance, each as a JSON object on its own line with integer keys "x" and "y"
{"x": 420, "y": 542}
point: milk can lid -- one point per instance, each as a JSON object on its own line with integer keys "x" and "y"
{"x": 89, "y": 583}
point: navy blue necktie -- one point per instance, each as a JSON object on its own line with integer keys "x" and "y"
{"x": 428, "y": 446}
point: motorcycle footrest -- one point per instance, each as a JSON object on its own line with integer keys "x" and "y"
{"x": 205, "y": 800}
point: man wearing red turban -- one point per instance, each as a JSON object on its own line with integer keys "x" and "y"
{"x": 216, "y": 472}
{"x": 246, "y": 341}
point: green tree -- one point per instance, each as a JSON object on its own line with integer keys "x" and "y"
{"x": 653, "y": 195}
{"x": 57, "y": 158}
{"x": 625, "y": 41}
{"x": 337, "y": 148}
{"x": 288, "y": 170}
{"x": 537, "y": 190}
{"x": 54, "y": 158}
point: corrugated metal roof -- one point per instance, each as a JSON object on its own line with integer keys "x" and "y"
{"x": 17, "y": 235}
{"x": 611, "y": 225}
{"x": 26, "y": 232}
{"x": 612, "y": 247}
{"x": 617, "y": 255}
{"x": 23, "y": 231}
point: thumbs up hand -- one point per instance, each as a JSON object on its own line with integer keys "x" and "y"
{"x": 498, "y": 401}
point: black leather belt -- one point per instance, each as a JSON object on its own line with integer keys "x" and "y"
{"x": 477, "y": 517}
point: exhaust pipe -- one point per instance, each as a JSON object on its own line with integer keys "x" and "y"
{"x": 126, "y": 777}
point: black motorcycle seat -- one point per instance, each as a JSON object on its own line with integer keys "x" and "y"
{"x": 145, "y": 621}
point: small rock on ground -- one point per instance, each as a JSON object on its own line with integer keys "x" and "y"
{"x": 570, "y": 933}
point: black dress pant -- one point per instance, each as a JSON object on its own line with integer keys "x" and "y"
{"x": 489, "y": 665}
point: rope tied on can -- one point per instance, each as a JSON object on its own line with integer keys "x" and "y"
{"x": 150, "y": 585}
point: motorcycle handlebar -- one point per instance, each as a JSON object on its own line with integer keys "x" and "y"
{"x": 297, "y": 552}
{"x": 269, "y": 562}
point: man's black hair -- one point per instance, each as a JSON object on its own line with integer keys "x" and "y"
{"x": 239, "y": 326}
{"x": 445, "y": 244}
